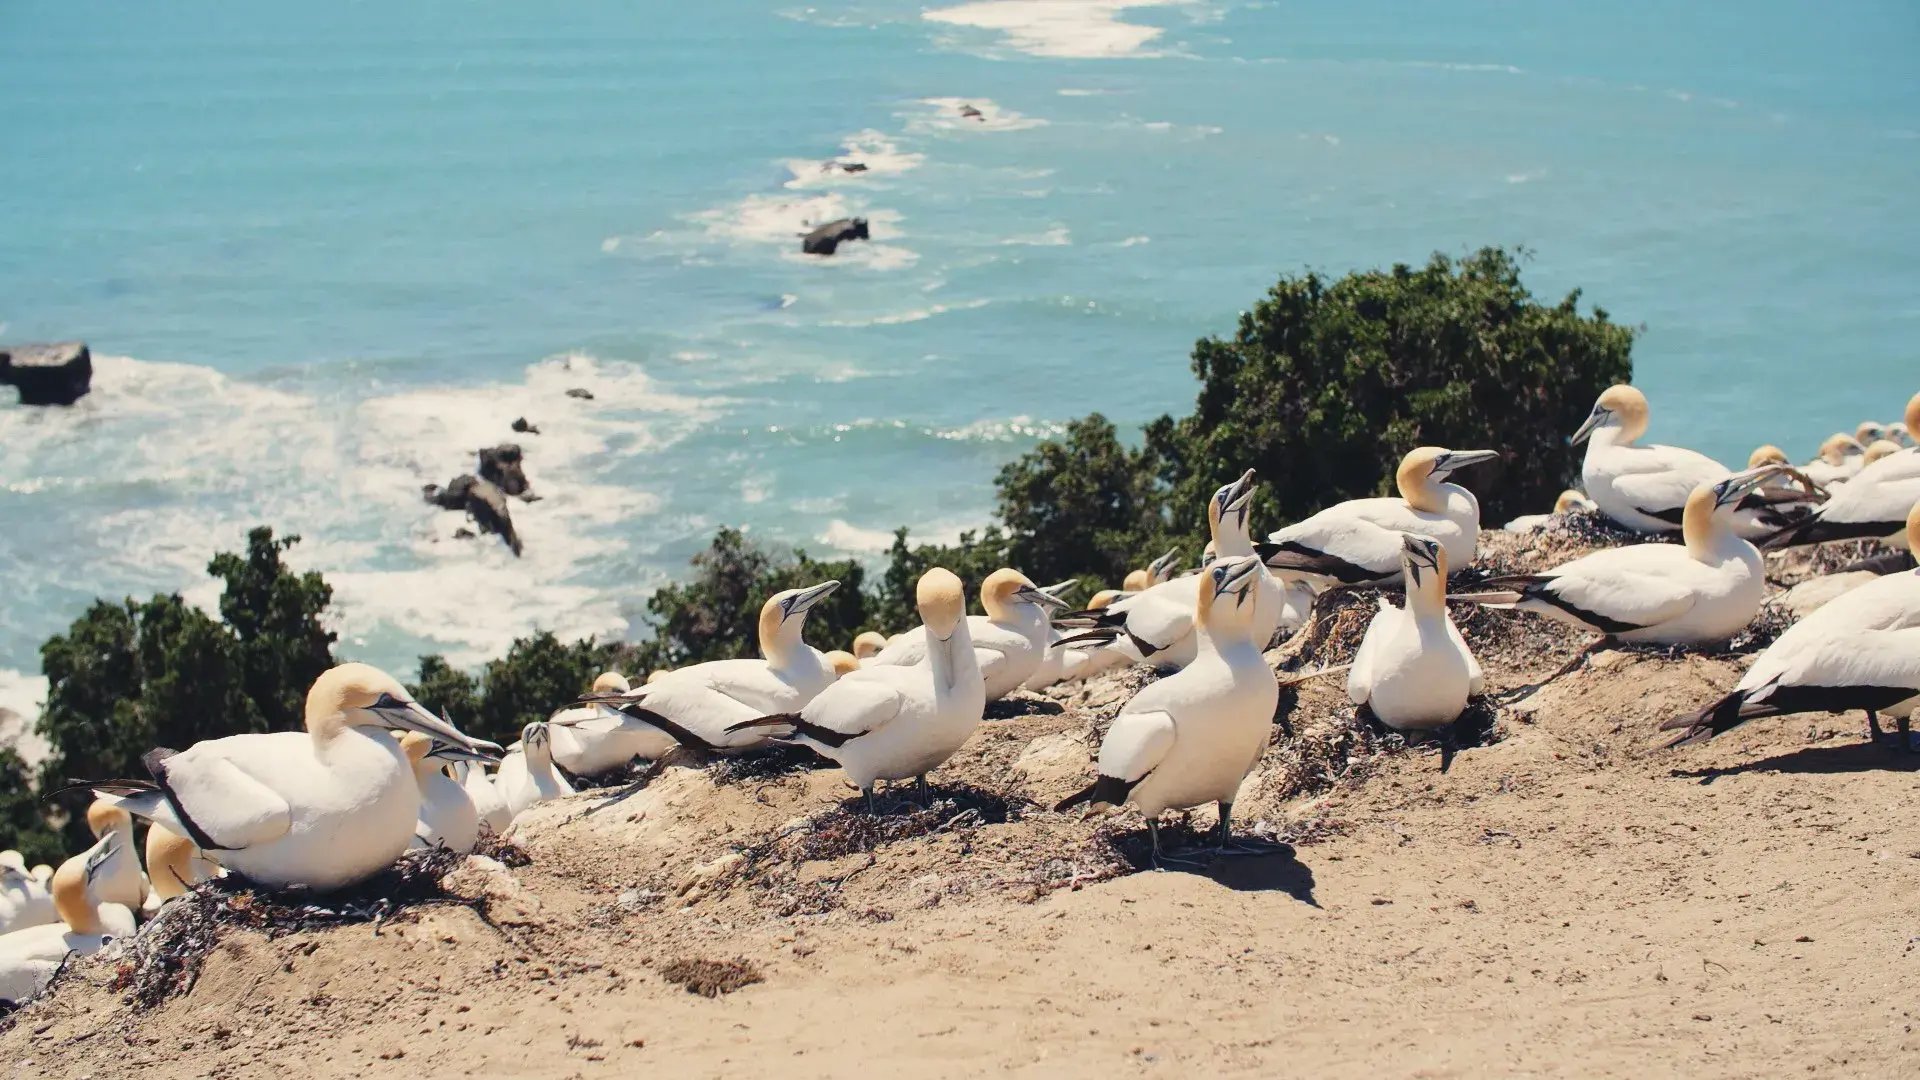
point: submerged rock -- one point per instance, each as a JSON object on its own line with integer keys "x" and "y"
{"x": 482, "y": 500}
{"x": 523, "y": 427}
{"x": 581, "y": 392}
{"x": 503, "y": 465}
{"x": 56, "y": 374}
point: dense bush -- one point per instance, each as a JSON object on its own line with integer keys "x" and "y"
{"x": 716, "y": 615}
{"x": 23, "y": 823}
{"x": 538, "y": 675}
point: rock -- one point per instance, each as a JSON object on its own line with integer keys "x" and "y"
{"x": 464, "y": 533}
{"x": 57, "y": 374}
{"x": 482, "y": 500}
{"x": 827, "y": 238}
{"x": 846, "y": 166}
{"x": 525, "y": 428}
{"x": 1055, "y": 765}
{"x": 502, "y": 465}
{"x": 580, "y": 392}
{"x": 972, "y": 113}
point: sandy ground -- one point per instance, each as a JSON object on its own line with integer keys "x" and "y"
{"x": 1570, "y": 900}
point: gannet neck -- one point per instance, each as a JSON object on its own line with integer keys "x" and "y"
{"x": 169, "y": 862}
{"x": 1229, "y": 531}
{"x": 1703, "y": 529}
{"x": 1913, "y": 523}
{"x": 1427, "y": 592}
{"x": 776, "y": 637}
{"x": 103, "y": 819}
{"x": 943, "y": 611}
{"x": 70, "y": 898}
{"x": 1912, "y": 416}
{"x": 417, "y": 746}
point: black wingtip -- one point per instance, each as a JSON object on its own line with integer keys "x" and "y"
{"x": 1104, "y": 791}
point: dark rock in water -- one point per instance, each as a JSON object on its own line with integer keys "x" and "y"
{"x": 525, "y": 428}
{"x": 464, "y": 533}
{"x": 845, "y": 166}
{"x": 582, "y": 394}
{"x": 502, "y": 465}
{"x": 825, "y": 239}
{"x": 972, "y": 113}
{"x": 482, "y": 500}
{"x": 451, "y": 497}
{"x": 57, "y": 374}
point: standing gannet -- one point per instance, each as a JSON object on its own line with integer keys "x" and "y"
{"x": 1872, "y": 505}
{"x": 119, "y": 880}
{"x": 1358, "y": 542}
{"x": 322, "y": 809}
{"x": 591, "y": 739}
{"x": 29, "y": 958}
{"x": 1413, "y": 670}
{"x": 527, "y": 775}
{"x": 1009, "y": 640}
{"x": 1861, "y": 650}
{"x": 174, "y": 865}
{"x": 488, "y": 803}
{"x": 1569, "y": 501}
{"x": 1053, "y": 660}
{"x": 24, "y": 900}
{"x": 447, "y": 818}
{"x": 696, "y": 706}
{"x": 1841, "y": 456}
{"x": 1706, "y": 590}
{"x": 1191, "y": 738}
{"x": 892, "y": 721}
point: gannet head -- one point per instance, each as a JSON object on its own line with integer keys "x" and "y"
{"x": 1104, "y": 597}
{"x": 1911, "y": 418}
{"x": 610, "y": 682}
{"x": 1840, "y": 446}
{"x": 868, "y": 643}
{"x": 169, "y": 861}
{"x": 360, "y": 695}
{"x": 1900, "y": 433}
{"x": 1881, "y": 448}
{"x": 1571, "y": 500}
{"x": 1163, "y": 568}
{"x": 103, "y": 819}
{"x": 417, "y": 746}
{"x": 536, "y": 744}
{"x": 13, "y": 861}
{"x": 1135, "y": 581}
{"x": 942, "y": 601}
{"x": 1425, "y": 466}
{"x": 1421, "y": 559}
{"x": 1620, "y": 406}
{"x": 1229, "y": 592}
{"x": 1229, "y": 506}
{"x": 787, "y": 611}
{"x": 1007, "y": 587}
{"x": 1766, "y": 455}
{"x": 656, "y": 675}
{"x": 1869, "y": 432}
{"x": 71, "y": 886}
{"x": 841, "y": 661}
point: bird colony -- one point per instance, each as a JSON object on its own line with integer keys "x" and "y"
{"x": 376, "y": 773}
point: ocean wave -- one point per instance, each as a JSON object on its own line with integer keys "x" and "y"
{"x": 878, "y": 153}
{"x": 949, "y": 114}
{"x": 1058, "y": 29}
{"x": 1135, "y": 241}
{"x": 1058, "y": 236}
{"x": 779, "y": 220}
{"x": 913, "y": 316}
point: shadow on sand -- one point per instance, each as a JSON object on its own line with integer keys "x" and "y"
{"x": 1853, "y": 757}
{"x": 1271, "y": 867}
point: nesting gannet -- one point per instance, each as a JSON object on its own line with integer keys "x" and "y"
{"x": 488, "y": 803}
{"x": 841, "y": 661}
{"x": 1878, "y": 449}
{"x": 656, "y": 675}
{"x": 1008, "y": 641}
{"x": 1413, "y": 669}
{"x": 24, "y": 900}
{"x": 29, "y": 958}
{"x": 1155, "y": 572}
{"x": 1859, "y": 651}
{"x": 1869, "y": 431}
{"x": 591, "y": 739}
{"x": 448, "y": 817}
{"x": 696, "y": 705}
{"x": 322, "y": 808}
{"x": 1841, "y": 457}
{"x": 1567, "y": 502}
{"x": 1706, "y": 590}
{"x": 1873, "y": 504}
{"x": 174, "y": 865}
{"x": 1358, "y": 542}
{"x": 1191, "y": 738}
{"x": 890, "y": 721}
{"x": 527, "y": 775}
{"x": 867, "y": 645}
{"x": 1900, "y": 434}
{"x": 119, "y": 880}
{"x": 1053, "y": 660}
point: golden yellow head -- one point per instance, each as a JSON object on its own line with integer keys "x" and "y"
{"x": 942, "y": 601}
{"x": 1881, "y": 448}
{"x": 170, "y": 862}
{"x": 1571, "y": 500}
{"x": 417, "y": 746}
{"x": 70, "y": 900}
{"x": 102, "y": 818}
{"x": 1102, "y": 598}
{"x": 656, "y": 675}
{"x": 1002, "y": 590}
{"x": 1766, "y": 455}
{"x": 610, "y": 682}
{"x": 868, "y": 643}
{"x": 1622, "y": 405}
{"x": 1869, "y": 432}
{"x": 1838, "y": 447}
{"x": 1136, "y": 581}
{"x": 842, "y": 662}
{"x": 347, "y": 687}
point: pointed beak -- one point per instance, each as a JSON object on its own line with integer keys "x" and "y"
{"x": 1237, "y": 573}
{"x": 1594, "y": 420}
{"x": 1161, "y": 564}
{"x": 1736, "y": 487}
{"x": 412, "y": 716}
{"x": 1454, "y": 460}
{"x": 807, "y": 599}
{"x": 1035, "y": 595}
{"x": 1061, "y": 590}
{"x": 449, "y": 752}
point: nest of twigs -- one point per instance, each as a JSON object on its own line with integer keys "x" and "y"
{"x": 769, "y": 763}
{"x": 711, "y": 978}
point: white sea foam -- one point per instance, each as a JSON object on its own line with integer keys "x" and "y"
{"x": 1065, "y": 29}
{"x": 1058, "y": 236}
{"x": 949, "y": 114}
{"x": 21, "y": 696}
{"x": 879, "y": 153}
{"x": 780, "y": 221}
{"x": 1527, "y": 177}
{"x": 1136, "y": 241}
{"x": 913, "y": 316}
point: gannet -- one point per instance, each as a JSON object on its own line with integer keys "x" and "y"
{"x": 695, "y": 706}
{"x": 488, "y": 803}
{"x": 1841, "y": 457}
{"x": 891, "y": 722}
{"x": 174, "y": 865}
{"x": 1155, "y": 572}
{"x": 119, "y": 880}
{"x": 591, "y": 739}
{"x": 1081, "y": 660}
{"x": 1413, "y": 669}
{"x": 1879, "y": 449}
{"x": 841, "y": 661}
{"x": 24, "y": 900}
{"x": 1872, "y": 505}
{"x": 1869, "y": 431}
{"x": 527, "y": 775}
{"x": 1193, "y": 737}
{"x": 1008, "y": 641}
{"x": 1358, "y": 542}
{"x": 1568, "y": 502}
{"x": 322, "y": 809}
{"x": 1208, "y": 554}
{"x": 867, "y": 645}
{"x": 1053, "y": 659}
{"x": 447, "y": 817}
{"x": 1706, "y": 590}
{"x": 1861, "y": 650}
{"x": 29, "y": 958}
{"x": 656, "y": 675}
{"x": 1900, "y": 433}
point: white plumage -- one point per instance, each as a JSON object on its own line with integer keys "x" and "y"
{"x": 488, "y": 803}
{"x": 1873, "y": 504}
{"x": 1358, "y": 542}
{"x": 447, "y": 817}
{"x": 527, "y": 775}
{"x": 1009, "y": 641}
{"x": 1413, "y": 669}
{"x": 594, "y": 738}
{"x": 24, "y": 901}
{"x": 30, "y": 957}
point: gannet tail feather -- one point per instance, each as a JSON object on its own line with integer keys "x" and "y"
{"x": 1288, "y": 555}
{"x": 1818, "y": 530}
{"x": 1101, "y": 636}
{"x": 1734, "y": 709}
{"x": 798, "y": 726}
{"x": 1106, "y": 790}
{"x": 677, "y": 732}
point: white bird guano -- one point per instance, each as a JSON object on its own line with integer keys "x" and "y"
{"x": 697, "y": 706}
{"x": 1872, "y": 505}
{"x": 1705, "y": 590}
{"x": 1358, "y": 542}
{"x": 1413, "y": 670}
{"x": 1009, "y": 641}
{"x": 322, "y": 808}
{"x": 29, "y": 958}
{"x": 527, "y": 775}
{"x": 1861, "y": 650}
{"x": 1193, "y": 737}
{"x": 447, "y": 818}
{"x": 891, "y": 722}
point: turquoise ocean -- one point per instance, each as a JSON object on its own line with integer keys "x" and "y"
{"x": 325, "y": 251}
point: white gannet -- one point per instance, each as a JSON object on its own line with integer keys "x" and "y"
{"x": 1878, "y": 449}
{"x": 1161, "y": 569}
{"x": 29, "y": 958}
{"x": 1081, "y": 660}
{"x": 697, "y": 705}
{"x": 1707, "y": 589}
{"x": 1053, "y": 660}
{"x": 591, "y": 739}
{"x": 867, "y": 645}
{"x": 1567, "y": 502}
{"x": 527, "y": 775}
{"x": 24, "y": 899}
{"x": 1193, "y": 737}
{"x": 841, "y": 661}
{"x": 488, "y": 803}
{"x": 1009, "y": 640}
{"x": 891, "y": 722}
{"x": 119, "y": 880}
{"x": 448, "y": 817}
{"x": 1285, "y": 602}
{"x": 1358, "y": 542}
{"x": 1900, "y": 434}
{"x": 1868, "y": 431}
{"x": 1872, "y": 505}
{"x": 1841, "y": 456}
{"x": 174, "y": 865}
{"x": 1859, "y": 651}
{"x": 1413, "y": 669}
{"x": 322, "y": 808}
